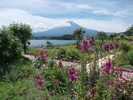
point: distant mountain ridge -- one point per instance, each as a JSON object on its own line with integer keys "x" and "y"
{"x": 59, "y": 31}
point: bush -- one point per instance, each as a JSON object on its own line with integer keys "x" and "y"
{"x": 125, "y": 47}
{"x": 49, "y": 44}
{"x": 130, "y": 56}
{"x": 61, "y": 53}
{"x": 10, "y": 48}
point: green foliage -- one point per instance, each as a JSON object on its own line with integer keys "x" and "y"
{"x": 61, "y": 53}
{"x": 101, "y": 35}
{"x": 78, "y": 34}
{"x": 49, "y": 44}
{"x": 122, "y": 36}
{"x": 22, "y": 31}
{"x": 10, "y": 48}
{"x": 129, "y": 31}
{"x": 125, "y": 47}
{"x": 112, "y": 35}
{"x": 67, "y": 37}
{"x": 130, "y": 57}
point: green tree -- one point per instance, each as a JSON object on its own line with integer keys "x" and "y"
{"x": 101, "y": 35}
{"x": 78, "y": 34}
{"x": 129, "y": 31}
{"x": 112, "y": 35}
{"x": 22, "y": 31}
{"x": 10, "y": 48}
{"x": 122, "y": 36}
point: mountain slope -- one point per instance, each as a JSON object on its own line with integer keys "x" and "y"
{"x": 59, "y": 31}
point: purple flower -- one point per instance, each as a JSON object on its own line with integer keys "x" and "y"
{"x": 130, "y": 66}
{"x": 113, "y": 97}
{"x": 131, "y": 95}
{"x": 111, "y": 46}
{"x": 40, "y": 83}
{"x": 60, "y": 64}
{"x": 121, "y": 73}
{"x": 90, "y": 42}
{"x": 107, "y": 66}
{"x": 70, "y": 51}
{"x": 52, "y": 93}
{"x": 90, "y": 95}
{"x": 55, "y": 81}
{"x": 42, "y": 56}
{"x": 100, "y": 44}
{"x": 92, "y": 38}
{"x": 128, "y": 70}
{"x": 38, "y": 78}
{"x": 72, "y": 74}
{"x": 74, "y": 94}
{"x": 70, "y": 57}
{"x": 116, "y": 45}
{"x": 95, "y": 53}
{"x": 106, "y": 47}
{"x": 84, "y": 45}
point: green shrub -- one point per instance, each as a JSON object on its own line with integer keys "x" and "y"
{"x": 125, "y": 47}
{"x": 49, "y": 44}
{"x": 61, "y": 53}
{"x": 130, "y": 56}
{"x": 72, "y": 54}
{"x": 10, "y": 49}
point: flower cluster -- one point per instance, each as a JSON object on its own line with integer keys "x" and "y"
{"x": 38, "y": 79}
{"x": 42, "y": 56}
{"x": 84, "y": 45}
{"x": 116, "y": 45}
{"x": 107, "y": 66}
{"x": 106, "y": 47}
{"x": 72, "y": 74}
{"x": 60, "y": 64}
{"x": 111, "y": 46}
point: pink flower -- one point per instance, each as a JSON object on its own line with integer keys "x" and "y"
{"x": 121, "y": 73}
{"x": 106, "y": 47}
{"x": 84, "y": 45}
{"x": 116, "y": 45}
{"x": 55, "y": 81}
{"x": 45, "y": 51}
{"x": 107, "y": 66}
{"x": 46, "y": 68}
{"x": 35, "y": 56}
{"x": 91, "y": 42}
{"x": 90, "y": 95}
{"x": 40, "y": 83}
{"x": 72, "y": 74}
{"x": 42, "y": 56}
{"x": 115, "y": 68}
{"x": 36, "y": 51}
{"x": 74, "y": 94}
{"x": 52, "y": 93}
{"x": 60, "y": 64}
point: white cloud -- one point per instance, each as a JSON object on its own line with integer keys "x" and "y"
{"x": 38, "y": 23}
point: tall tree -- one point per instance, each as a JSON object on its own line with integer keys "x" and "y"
{"x": 112, "y": 35}
{"x": 101, "y": 35}
{"x": 129, "y": 31}
{"x": 22, "y": 31}
{"x": 78, "y": 34}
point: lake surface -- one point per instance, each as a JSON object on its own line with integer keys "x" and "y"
{"x": 38, "y": 43}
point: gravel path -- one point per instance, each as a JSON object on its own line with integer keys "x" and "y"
{"x": 100, "y": 63}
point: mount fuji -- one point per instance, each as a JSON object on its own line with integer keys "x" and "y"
{"x": 59, "y": 31}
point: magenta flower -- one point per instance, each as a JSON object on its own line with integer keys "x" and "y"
{"x": 113, "y": 97}
{"x": 106, "y": 47}
{"x": 84, "y": 45}
{"x": 52, "y": 93}
{"x": 60, "y": 64}
{"x": 42, "y": 56}
{"x": 92, "y": 38}
{"x": 90, "y": 95}
{"x": 107, "y": 66}
{"x": 55, "y": 81}
{"x": 72, "y": 74}
{"x": 74, "y": 94}
{"x": 91, "y": 42}
{"x": 40, "y": 83}
{"x": 121, "y": 73}
{"x": 111, "y": 46}
{"x": 116, "y": 45}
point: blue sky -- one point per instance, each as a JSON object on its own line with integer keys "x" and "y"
{"x": 41, "y": 15}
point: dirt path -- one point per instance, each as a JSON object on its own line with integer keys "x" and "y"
{"x": 100, "y": 63}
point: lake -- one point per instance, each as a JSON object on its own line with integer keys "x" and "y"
{"x": 38, "y": 43}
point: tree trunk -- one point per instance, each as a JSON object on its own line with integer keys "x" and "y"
{"x": 25, "y": 48}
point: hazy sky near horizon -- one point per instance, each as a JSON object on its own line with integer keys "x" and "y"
{"x": 41, "y": 15}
